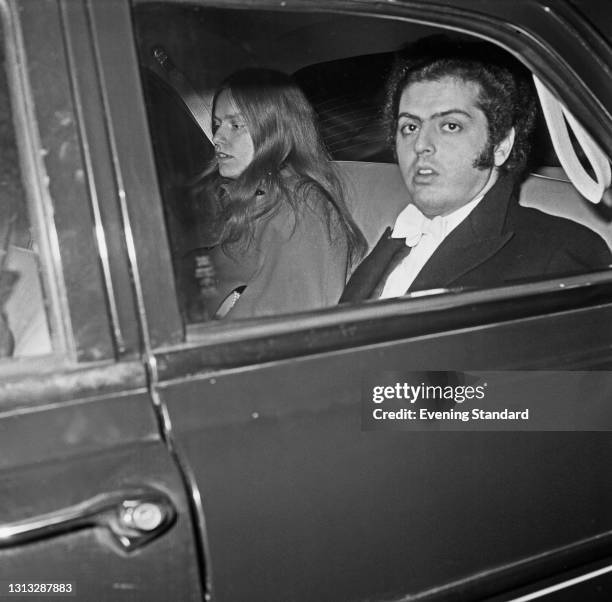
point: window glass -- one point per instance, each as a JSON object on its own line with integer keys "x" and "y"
{"x": 23, "y": 321}
{"x": 290, "y": 260}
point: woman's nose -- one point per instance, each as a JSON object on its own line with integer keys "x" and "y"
{"x": 218, "y": 136}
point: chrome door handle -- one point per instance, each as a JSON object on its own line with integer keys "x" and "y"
{"x": 133, "y": 517}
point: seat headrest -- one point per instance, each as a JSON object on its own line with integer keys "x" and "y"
{"x": 375, "y": 195}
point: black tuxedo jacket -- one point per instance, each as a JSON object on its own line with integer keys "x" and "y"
{"x": 499, "y": 242}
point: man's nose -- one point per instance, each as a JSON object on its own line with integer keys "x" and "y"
{"x": 424, "y": 143}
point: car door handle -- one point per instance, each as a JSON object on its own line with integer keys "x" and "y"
{"x": 133, "y": 518}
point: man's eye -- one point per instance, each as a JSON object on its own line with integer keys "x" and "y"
{"x": 408, "y": 128}
{"x": 451, "y": 127}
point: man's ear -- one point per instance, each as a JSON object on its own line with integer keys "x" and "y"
{"x": 503, "y": 149}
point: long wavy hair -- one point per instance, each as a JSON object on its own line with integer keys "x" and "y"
{"x": 290, "y": 164}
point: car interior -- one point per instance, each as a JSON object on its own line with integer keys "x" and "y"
{"x": 341, "y": 62}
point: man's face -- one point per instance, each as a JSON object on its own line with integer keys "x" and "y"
{"x": 440, "y": 134}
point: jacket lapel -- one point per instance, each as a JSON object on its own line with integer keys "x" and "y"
{"x": 478, "y": 238}
{"x": 374, "y": 268}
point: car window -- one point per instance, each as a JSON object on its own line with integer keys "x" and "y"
{"x": 342, "y": 73}
{"x": 24, "y": 325}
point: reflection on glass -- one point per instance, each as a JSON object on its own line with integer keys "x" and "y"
{"x": 23, "y": 322}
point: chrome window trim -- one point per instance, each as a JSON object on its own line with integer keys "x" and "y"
{"x": 93, "y": 196}
{"x": 563, "y": 585}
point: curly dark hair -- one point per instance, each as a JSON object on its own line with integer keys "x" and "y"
{"x": 507, "y": 94}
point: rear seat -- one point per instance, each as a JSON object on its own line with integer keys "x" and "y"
{"x": 375, "y": 194}
{"x": 550, "y": 191}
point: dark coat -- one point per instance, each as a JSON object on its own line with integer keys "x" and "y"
{"x": 499, "y": 242}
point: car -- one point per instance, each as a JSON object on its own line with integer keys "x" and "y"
{"x": 151, "y": 453}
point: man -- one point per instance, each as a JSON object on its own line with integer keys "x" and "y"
{"x": 461, "y": 116}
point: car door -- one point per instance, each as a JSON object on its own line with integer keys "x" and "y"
{"x": 92, "y": 503}
{"x": 298, "y": 501}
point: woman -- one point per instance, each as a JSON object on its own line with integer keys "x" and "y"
{"x": 282, "y": 238}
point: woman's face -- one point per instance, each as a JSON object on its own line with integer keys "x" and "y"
{"x": 233, "y": 143}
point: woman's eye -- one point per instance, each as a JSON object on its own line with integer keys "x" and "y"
{"x": 238, "y": 126}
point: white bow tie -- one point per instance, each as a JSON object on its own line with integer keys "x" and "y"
{"x": 412, "y": 224}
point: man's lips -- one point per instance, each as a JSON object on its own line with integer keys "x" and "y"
{"x": 424, "y": 174}
{"x": 222, "y": 156}
{"x": 425, "y": 170}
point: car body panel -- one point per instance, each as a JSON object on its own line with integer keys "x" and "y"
{"x": 66, "y": 450}
{"x": 381, "y": 514}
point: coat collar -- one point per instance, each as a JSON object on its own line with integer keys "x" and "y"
{"x": 482, "y": 234}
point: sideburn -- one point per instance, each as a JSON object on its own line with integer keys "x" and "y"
{"x": 486, "y": 158}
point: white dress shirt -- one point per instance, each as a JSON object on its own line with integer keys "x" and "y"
{"x": 424, "y": 235}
